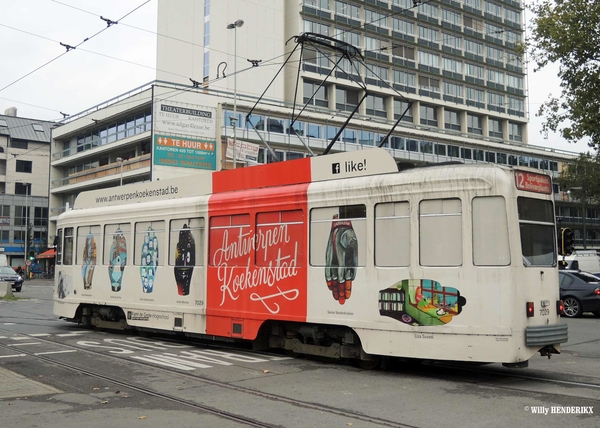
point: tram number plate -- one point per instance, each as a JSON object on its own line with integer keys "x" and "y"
{"x": 544, "y": 312}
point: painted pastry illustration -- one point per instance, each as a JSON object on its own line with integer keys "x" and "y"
{"x": 341, "y": 259}
{"x": 64, "y": 286}
{"x": 118, "y": 258}
{"x": 185, "y": 260}
{"x": 421, "y": 302}
{"x": 89, "y": 261}
{"x": 149, "y": 262}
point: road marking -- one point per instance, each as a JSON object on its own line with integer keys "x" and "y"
{"x": 12, "y": 356}
{"x": 9, "y": 323}
{"x": 56, "y": 352}
{"x": 20, "y": 338}
{"x": 70, "y": 334}
{"x": 24, "y": 344}
{"x": 40, "y": 335}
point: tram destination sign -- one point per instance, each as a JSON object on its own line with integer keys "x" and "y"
{"x": 532, "y": 182}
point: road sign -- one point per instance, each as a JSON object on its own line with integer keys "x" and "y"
{"x": 28, "y": 262}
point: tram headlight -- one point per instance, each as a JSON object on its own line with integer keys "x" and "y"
{"x": 560, "y": 308}
{"x": 530, "y": 309}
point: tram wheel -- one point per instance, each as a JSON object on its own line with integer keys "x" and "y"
{"x": 369, "y": 364}
{"x": 572, "y": 307}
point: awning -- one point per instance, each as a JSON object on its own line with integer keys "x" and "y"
{"x": 48, "y": 254}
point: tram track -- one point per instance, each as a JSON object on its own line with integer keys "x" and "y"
{"x": 346, "y": 413}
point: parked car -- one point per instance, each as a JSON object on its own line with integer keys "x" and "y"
{"x": 8, "y": 274}
{"x": 580, "y": 292}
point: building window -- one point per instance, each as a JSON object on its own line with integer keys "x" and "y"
{"x": 22, "y": 188}
{"x": 473, "y": 24}
{"x": 494, "y": 31}
{"x": 24, "y": 166}
{"x": 429, "y": 84}
{"x": 512, "y": 37}
{"x": 319, "y": 4}
{"x": 428, "y": 34}
{"x": 400, "y": 107}
{"x": 514, "y": 61}
{"x": 347, "y": 9}
{"x": 315, "y": 27}
{"x": 496, "y": 77}
{"x": 347, "y": 36}
{"x": 494, "y": 128}
{"x": 451, "y": 17}
{"x": 403, "y": 26}
{"x": 514, "y": 132}
{"x": 475, "y": 71}
{"x": 429, "y": 59}
{"x": 40, "y": 217}
{"x": 452, "y": 41}
{"x": 474, "y": 124}
{"x": 428, "y": 115}
{"x": 346, "y": 99}
{"x": 493, "y": 9}
{"x": 453, "y": 90}
{"x": 495, "y": 54}
{"x": 514, "y": 81}
{"x": 427, "y": 9}
{"x": 453, "y": 65}
{"x": 376, "y": 106}
{"x": 372, "y": 44}
{"x": 475, "y": 4}
{"x": 320, "y": 97}
{"x": 37, "y": 127}
{"x": 403, "y": 52}
{"x": 496, "y": 100}
{"x": 516, "y": 104}
{"x": 451, "y": 120}
{"x": 19, "y": 144}
{"x": 404, "y": 78}
{"x": 476, "y": 95}
{"x": 375, "y": 18}
{"x": 473, "y": 47}
{"x": 378, "y": 72}
{"x": 513, "y": 16}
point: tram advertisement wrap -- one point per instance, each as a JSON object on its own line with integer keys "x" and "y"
{"x": 257, "y": 267}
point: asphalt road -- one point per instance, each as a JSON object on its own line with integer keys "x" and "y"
{"x": 64, "y": 376}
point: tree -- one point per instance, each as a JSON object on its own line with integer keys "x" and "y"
{"x": 566, "y": 32}
{"x": 582, "y": 178}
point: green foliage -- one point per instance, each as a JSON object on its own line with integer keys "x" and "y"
{"x": 567, "y": 32}
{"x": 582, "y": 178}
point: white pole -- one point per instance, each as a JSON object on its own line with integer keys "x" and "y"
{"x": 234, "y": 90}
{"x": 26, "y": 230}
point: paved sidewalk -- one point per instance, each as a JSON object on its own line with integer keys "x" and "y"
{"x": 14, "y": 385}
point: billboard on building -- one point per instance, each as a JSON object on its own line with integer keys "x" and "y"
{"x": 244, "y": 151}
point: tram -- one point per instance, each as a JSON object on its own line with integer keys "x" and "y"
{"x": 343, "y": 256}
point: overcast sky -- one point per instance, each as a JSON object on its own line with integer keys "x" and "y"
{"x": 42, "y": 79}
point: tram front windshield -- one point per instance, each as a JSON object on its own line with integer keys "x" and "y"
{"x": 536, "y": 224}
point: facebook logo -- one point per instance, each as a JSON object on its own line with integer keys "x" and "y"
{"x": 335, "y": 168}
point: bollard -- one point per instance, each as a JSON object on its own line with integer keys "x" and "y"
{"x": 6, "y": 289}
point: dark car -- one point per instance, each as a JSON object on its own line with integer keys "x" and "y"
{"x": 8, "y": 274}
{"x": 580, "y": 292}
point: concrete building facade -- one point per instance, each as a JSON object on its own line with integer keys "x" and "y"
{"x": 452, "y": 66}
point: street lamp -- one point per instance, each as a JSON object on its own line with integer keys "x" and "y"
{"x": 234, "y": 26}
{"x": 27, "y": 192}
{"x": 120, "y": 160}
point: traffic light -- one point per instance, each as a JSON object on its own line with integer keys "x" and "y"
{"x": 568, "y": 242}
{"x": 31, "y": 255}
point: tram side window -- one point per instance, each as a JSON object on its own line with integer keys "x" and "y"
{"x": 278, "y": 238}
{"x": 59, "y": 246}
{"x": 490, "y": 232}
{"x": 186, "y": 242}
{"x": 338, "y": 237}
{"x": 230, "y": 240}
{"x": 68, "y": 247}
{"x": 149, "y": 243}
{"x": 392, "y": 234}
{"x": 88, "y": 238}
{"x": 440, "y": 232}
{"x": 537, "y": 229}
{"x": 117, "y": 242}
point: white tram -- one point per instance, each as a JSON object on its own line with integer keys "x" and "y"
{"x": 341, "y": 256}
